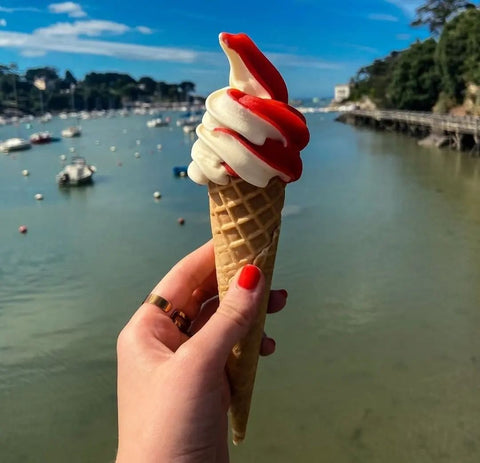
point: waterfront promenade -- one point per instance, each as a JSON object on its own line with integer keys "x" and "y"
{"x": 459, "y": 132}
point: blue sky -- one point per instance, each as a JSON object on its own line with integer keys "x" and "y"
{"x": 314, "y": 43}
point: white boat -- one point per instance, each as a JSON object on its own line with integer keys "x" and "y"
{"x": 77, "y": 173}
{"x": 40, "y": 138}
{"x": 189, "y": 128}
{"x": 15, "y": 144}
{"x": 190, "y": 118}
{"x": 73, "y": 131}
{"x": 158, "y": 122}
{"x": 47, "y": 117}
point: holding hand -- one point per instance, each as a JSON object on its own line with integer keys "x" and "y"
{"x": 173, "y": 392}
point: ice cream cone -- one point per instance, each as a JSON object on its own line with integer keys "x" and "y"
{"x": 245, "y": 224}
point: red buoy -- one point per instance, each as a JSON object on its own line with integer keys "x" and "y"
{"x": 181, "y": 221}
{"x": 22, "y": 229}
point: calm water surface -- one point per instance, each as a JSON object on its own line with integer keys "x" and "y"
{"x": 378, "y": 352}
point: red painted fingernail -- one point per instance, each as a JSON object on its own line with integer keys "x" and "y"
{"x": 249, "y": 277}
{"x": 284, "y": 293}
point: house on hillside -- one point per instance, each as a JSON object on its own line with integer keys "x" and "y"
{"x": 342, "y": 92}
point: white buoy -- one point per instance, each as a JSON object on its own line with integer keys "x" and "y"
{"x": 159, "y": 147}
{"x": 72, "y": 149}
{"x": 63, "y": 157}
{"x": 39, "y": 196}
{"x": 157, "y": 195}
{"x": 25, "y": 173}
{"x": 113, "y": 148}
{"x": 139, "y": 141}
{"x": 137, "y": 154}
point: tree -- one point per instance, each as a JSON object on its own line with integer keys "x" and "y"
{"x": 69, "y": 79}
{"x": 415, "y": 79}
{"x": 458, "y": 54}
{"x": 436, "y": 13}
{"x": 373, "y": 80}
{"x": 187, "y": 88}
{"x": 147, "y": 85}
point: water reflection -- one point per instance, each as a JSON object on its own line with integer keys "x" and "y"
{"x": 377, "y": 352}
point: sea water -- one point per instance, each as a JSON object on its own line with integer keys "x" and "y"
{"x": 378, "y": 351}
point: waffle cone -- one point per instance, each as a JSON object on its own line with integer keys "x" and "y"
{"x": 245, "y": 224}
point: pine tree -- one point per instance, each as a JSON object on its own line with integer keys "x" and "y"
{"x": 435, "y": 13}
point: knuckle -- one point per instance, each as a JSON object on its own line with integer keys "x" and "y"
{"x": 233, "y": 310}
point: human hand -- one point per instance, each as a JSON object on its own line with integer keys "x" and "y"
{"x": 173, "y": 392}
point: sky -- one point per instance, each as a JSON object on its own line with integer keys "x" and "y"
{"x": 315, "y": 44}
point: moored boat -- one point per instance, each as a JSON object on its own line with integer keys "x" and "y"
{"x": 77, "y": 173}
{"x": 14, "y": 144}
{"x": 189, "y": 118}
{"x": 40, "y": 138}
{"x": 73, "y": 131}
{"x": 189, "y": 128}
{"x": 158, "y": 122}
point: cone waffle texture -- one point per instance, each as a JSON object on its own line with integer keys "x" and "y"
{"x": 245, "y": 224}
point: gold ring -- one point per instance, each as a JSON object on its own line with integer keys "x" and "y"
{"x": 181, "y": 321}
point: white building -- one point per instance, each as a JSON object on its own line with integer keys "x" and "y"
{"x": 342, "y": 92}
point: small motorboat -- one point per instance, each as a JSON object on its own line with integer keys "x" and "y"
{"x": 189, "y": 128}
{"x": 73, "y": 131}
{"x": 158, "y": 122}
{"x": 189, "y": 118}
{"x": 15, "y": 144}
{"x": 40, "y": 138}
{"x": 77, "y": 173}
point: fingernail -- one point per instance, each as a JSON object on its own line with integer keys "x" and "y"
{"x": 284, "y": 293}
{"x": 249, "y": 277}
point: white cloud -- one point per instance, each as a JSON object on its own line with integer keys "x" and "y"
{"x": 74, "y": 10}
{"x": 93, "y": 28}
{"x": 284, "y": 59}
{"x": 407, "y": 6}
{"x": 33, "y": 53}
{"x": 3, "y": 22}
{"x": 382, "y": 17}
{"x": 32, "y": 43}
{"x": 14, "y": 10}
{"x": 37, "y": 44}
{"x": 144, "y": 30}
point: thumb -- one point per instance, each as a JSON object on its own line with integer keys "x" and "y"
{"x": 233, "y": 318}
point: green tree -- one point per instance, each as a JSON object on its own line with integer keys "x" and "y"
{"x": 415, "y": 79}
{"x": 186, "y": 88}
{"x": 436, "y": 13}
{"x": 373, "y": 80}
{"x": 458, "y": 54}
{"x": 147, "y": 85}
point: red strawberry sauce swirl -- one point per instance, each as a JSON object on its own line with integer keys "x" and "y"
{"x": 249, "y": 130}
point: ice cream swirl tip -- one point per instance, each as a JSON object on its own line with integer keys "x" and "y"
{"x": 249, "y": 130}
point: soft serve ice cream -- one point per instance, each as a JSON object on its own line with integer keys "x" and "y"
{"x": 249, "y": 130}
{"x": 248, "y": 149}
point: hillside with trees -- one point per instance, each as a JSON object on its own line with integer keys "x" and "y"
{"x": 441, "y": 73}
{"x": 42, "y": 89}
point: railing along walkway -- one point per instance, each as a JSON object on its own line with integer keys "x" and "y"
{"x": 457, "y": 124}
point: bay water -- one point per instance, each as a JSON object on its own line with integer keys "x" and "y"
{"x": 378, "y": 350}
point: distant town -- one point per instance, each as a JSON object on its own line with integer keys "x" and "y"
{"x": 41, "y": 90}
